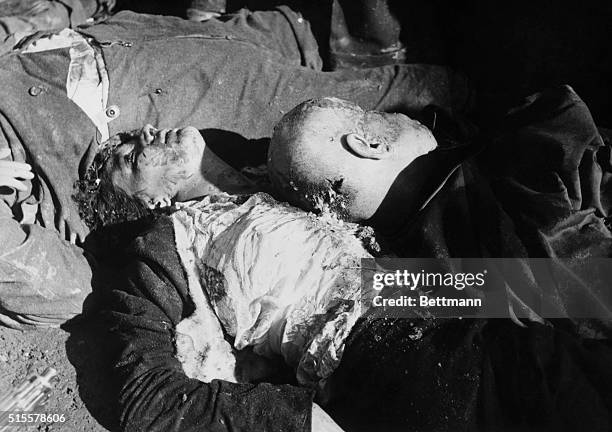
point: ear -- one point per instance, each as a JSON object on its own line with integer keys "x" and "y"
{"x": 366, "y": 149}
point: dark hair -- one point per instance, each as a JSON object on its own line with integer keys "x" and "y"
{"x": 100, "y": 202}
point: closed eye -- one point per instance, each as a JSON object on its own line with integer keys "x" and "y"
{"x": 130, "y": 158}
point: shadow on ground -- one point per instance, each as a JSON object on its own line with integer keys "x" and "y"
{"x": 91, "y": 357}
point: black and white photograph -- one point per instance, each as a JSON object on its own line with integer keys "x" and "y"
{"x": 305, "y": 216}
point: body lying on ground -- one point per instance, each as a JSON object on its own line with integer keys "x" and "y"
{"x": 232, "y": 78}
{"x": 386, "y": 373}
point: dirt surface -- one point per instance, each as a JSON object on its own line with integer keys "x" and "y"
{"x": 83, "y": 392}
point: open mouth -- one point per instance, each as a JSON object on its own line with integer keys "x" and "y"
{"x": 153, "y": 136}
{"x": 160, "y": 136}
{"x": 168, "y": 137}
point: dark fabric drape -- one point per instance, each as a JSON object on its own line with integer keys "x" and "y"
{"x": 533, "y": 192}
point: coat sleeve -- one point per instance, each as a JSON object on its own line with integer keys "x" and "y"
{"x": 155, "y": 394}
{"x": 43, "y": 278}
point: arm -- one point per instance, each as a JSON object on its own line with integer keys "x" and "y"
{"x": 43, "y": 279}
{"x": 155, "y": 394}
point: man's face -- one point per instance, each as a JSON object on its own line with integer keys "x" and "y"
{"x": 333, "y": 143}
{"x": 158, "y": 164}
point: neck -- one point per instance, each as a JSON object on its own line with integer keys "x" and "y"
{"x": 411, "y": 189}
{"x": 215, "y": 176}
{"x": 396, "y": 209}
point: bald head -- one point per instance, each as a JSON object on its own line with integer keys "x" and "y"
{"x": 329, "y": 154}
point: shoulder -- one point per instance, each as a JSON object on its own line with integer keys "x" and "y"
{"x": 150, "y": 276}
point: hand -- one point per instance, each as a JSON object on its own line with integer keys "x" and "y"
{"x": 322, "y": 422}
{"x": 12, "y": 173}
{"x": 70, "y": 230}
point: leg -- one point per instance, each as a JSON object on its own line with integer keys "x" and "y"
{"x": 283, "y": 31}
{"x": 226, "y": 76}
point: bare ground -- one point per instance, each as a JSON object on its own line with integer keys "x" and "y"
{"x": 84, "y": 390}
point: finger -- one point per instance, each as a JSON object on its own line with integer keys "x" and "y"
{"x": 77, "y": 232}
{"x": 61, "y": 227}
{"x": 5, "y": 152}
{"x": 28, "y": 175}
{"x": 81, "y": 231}
{"x": 11, "y": 173}
{"x": 13, "y": 183}
{"x": 71, "y": 233}
{"x": 4, "y": 165}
